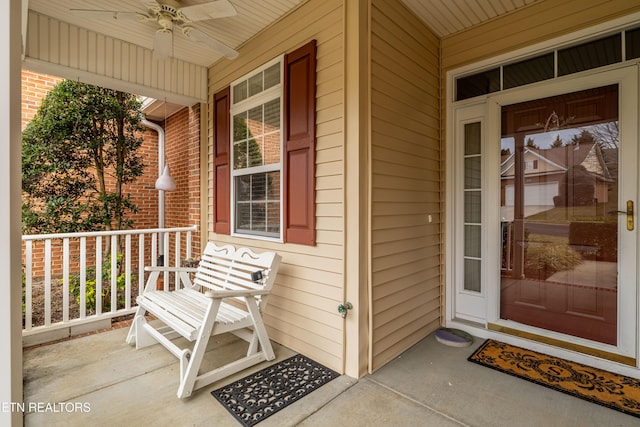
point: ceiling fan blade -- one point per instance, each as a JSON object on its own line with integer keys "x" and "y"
{"x": 211, "y": 10}
{"x": 162, "y": 44}
{"x": 110, "y": 14}
{"x": 200, "y": 37}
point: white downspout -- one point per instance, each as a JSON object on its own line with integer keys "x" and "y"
{"x": 160, "y": 131}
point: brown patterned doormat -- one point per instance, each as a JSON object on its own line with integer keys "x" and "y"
{"x": 262, "y": 394}
{"x": 604, "y": 388}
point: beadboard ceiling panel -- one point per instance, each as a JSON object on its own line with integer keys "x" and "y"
{"x": 446, "y": 17}
{"x": 111, "y": 50}
{"x": 252, "y": 17}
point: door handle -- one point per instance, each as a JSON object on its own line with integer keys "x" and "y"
{"x": 628, "y": 213}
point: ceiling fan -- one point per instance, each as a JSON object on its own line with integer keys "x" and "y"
{"x": 169, "y": 16}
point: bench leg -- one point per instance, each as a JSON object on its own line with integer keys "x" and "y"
{"x": 184, "y": 364}
{"x": 139, "y": 333}
{"x": 188, "y": 379}
{"x": 259, "y": 331}
{"x": 133, "y": 331}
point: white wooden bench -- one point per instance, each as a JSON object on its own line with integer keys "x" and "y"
{"x": 228, "y": 293}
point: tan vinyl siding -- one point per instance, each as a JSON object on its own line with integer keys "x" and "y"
{"x": 405, "y": 248}
{"x": 302, "y": 311}
{"x": 68, "y": 51}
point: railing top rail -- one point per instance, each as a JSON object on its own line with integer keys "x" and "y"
{"x": 106, "y": 233}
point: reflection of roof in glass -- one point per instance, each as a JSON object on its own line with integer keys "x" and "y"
{"x": 563, "y": 158}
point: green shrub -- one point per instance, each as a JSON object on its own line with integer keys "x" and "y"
{"x": 544, "y": 259}
{"x": 90, "y": 295}
{"x": 598, "y": 240}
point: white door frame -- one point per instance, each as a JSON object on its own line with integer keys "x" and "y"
{"x": 479, "y": 328}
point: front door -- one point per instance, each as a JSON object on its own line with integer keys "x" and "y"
{"x": 543, "y": 236}
{"x": 567, "y": 216}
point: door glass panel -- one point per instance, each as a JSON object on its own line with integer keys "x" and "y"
{"x": 472, "y": 206}
{"x": 633, "y": 43}
{"x": 478, "y": 84}
{"x": 559, "y": 209}
{"x": 590, "y": 55}
{"x": 472, "y": 275}
{"x": 528, "y": 71}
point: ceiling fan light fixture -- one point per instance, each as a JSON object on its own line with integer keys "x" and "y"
{"x": 162, "y": 44}
{"x": 165, "y": 21}
{"x": 168, "y": 14}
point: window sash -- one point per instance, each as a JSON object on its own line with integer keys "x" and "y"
{"x": 257, "y": 205}
{"x": 258, "y": 210}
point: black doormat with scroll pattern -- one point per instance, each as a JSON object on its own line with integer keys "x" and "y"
{"x": 262, "y": 394}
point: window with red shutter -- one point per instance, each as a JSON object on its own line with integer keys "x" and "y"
{"x": 264, "y": 167}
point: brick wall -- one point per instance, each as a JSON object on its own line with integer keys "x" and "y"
{"x": 182, "y": 207}
{"x": 34, "y": 88}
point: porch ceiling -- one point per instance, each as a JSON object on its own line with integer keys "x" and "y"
{"x": 444, "y": 17}
{"x": 252, "y": 17}
{"x": 178, "y": 82}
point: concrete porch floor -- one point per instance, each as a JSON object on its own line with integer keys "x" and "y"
{"x": 429, "y": 385}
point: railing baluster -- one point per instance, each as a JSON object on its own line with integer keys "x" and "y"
{"x": 83, "y": 277}
{"x": 47, "y": 282}
{"x": 189, "y": 243}
{"x": 65, "y": 279}
{"x": 154, "y": 249}
{"x": 127, "y": 271}
{"x": 188, "y": 238}
{"x": 98, "y": 275}
{"x": 114, "y": 272}
{"x": 177, "y": 260}
{"x": 165, "y": 245}
{"x": 140, "y": 264}
{"x": 28, "y": 283}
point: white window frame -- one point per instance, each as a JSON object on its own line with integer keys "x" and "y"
{"x": 275, "y": 92}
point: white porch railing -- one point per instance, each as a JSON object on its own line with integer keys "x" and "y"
{"x": 66, "y": 275}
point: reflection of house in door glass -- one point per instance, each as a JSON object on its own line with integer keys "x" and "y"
{"x": 572, "y": 171}
{"x": 559, "y": 203}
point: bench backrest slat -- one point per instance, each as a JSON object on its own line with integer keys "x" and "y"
{"x": 225, "y": 268}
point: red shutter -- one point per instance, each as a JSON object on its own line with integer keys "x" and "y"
{"x": 221, "y": 173}
{"x": 300, "y": 145}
